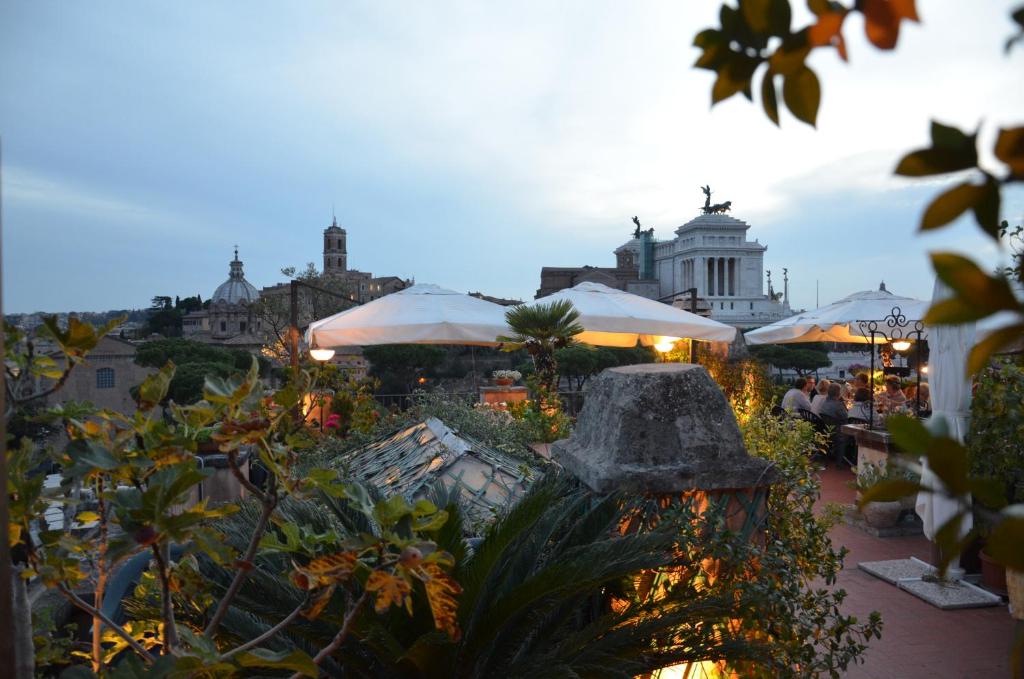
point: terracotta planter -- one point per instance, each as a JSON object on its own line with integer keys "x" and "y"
{"x": 882, "y": 514}
{"x": 504, "y": 381}
{"x": 993, "y": 575}
{"x": 1015, "y": 590}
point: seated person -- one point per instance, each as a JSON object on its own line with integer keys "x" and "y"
{"x": 819, "y": 395}
{"x": 832, "y": 409}
{"x": 892, "y": 398}
{"x": 861, "y": 408}
{"x": 796, "y": 398}
{"x": 924, "y": 393}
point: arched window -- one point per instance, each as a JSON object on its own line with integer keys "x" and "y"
{"x": 105, "y": 378}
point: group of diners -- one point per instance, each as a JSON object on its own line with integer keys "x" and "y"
{"x": 838, "y": 402}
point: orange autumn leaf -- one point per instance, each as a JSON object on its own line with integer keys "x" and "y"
{"x": 318, "y": 604}
{"x": 335, "y": 567}
{"x": 882, "y": 20}
{"x": 391, "y": 590}
{"x": 828, "y": 31}
{"x": 443, "y": 592}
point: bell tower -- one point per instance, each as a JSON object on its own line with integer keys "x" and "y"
{"x": 335, "y": 251}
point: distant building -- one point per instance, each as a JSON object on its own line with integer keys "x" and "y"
{"x": 363, "y": 286}
{"x": 231, "y": 318}
{"x": 105, "y": 378}
{"x": 710, "y": 253}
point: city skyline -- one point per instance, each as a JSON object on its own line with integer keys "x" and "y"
{"x": 461, "y": 146}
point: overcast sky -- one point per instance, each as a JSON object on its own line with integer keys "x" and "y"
{"x": 464, "y": 144}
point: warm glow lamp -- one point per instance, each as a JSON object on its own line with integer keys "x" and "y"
{"x": 901, "y": 345}
{"x": 924, "y": 370}
{"x": 665, "y": 344}
{"x": 319, "y": 354}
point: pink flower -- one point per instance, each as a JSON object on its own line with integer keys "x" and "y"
{"x": 333, "y": 421}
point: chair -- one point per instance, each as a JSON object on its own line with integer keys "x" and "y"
{"x": 841, "y": 447}
{"x": 805, "y": 414}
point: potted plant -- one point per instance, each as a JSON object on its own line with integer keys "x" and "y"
{"x": 506, "y": 378}
{"x": 876, "y": 514}
{"x": 996, "y": 449}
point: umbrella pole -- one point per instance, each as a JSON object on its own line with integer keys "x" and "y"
{"x": 472, "y": 354}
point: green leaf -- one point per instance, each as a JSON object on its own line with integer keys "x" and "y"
{"x": 790, "y": 57}
{"x": 948, "y": 459}
{"x": 951, "y": 151}
{"x": 769, "y": 98}
{"x": 934, "y": 161}
{"x": 802, "y": 94}
{"x": 951, "y": 204}
{"x": 1010, "y": 149}
{"x": 733, "y": 76}
{"x": 990, "y": 492}
{"x": 1004, "y": 545}
{"x": 90, "y": 455}
{"x": 294, "y": 660}
{"x": 975, "y": 289}
{"x": 388, "y": 512}
{"x": 986, "y": 209}
{"x": 889, "y": 490}
{"x": 909, "y": 433}
{"x": 950, "y": 138}
{"x": 153, "y": 389}
{"x": 756, "y": 14}
{"x": 1004, "y": 338}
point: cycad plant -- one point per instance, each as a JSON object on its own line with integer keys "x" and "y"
{"x": 541, "y": 329}
{"x": 550, "y": 590}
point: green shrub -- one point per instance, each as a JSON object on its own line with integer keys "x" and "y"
{"x": 996, "y": 438}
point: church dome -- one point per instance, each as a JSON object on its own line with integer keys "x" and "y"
{"x": 236, "y": 290}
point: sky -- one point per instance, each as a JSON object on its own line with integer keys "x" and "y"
{"x": 465, "y": 144}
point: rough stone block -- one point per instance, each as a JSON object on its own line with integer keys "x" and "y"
{"x": 659, "y": 428}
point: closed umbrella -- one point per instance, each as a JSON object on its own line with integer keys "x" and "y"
{"x": 951, "y": 408}
{"x": 421, "y": 314}
{"x": 837, "y": 322}
{"x": 614, "y": 318}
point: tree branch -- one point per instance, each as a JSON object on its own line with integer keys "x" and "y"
{"x": 246, "y": 483}
{"x": 170, "y": 639}
{"x": 268, "y": 634}
{"x": 269, "y": 502}
{"x": 342, "y": 634}
{"x": 97, "y": 613}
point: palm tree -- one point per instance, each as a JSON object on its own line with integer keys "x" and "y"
{"x": 541, "y": 329}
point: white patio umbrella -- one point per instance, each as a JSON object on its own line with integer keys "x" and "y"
{"x": 421, "y": 314}
{"x": 614, "y": 318}
{"x": 951, "y": 407}
{"x": 837, "y": 322}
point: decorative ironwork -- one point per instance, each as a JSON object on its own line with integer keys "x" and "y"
{"x": 885, "y": 331}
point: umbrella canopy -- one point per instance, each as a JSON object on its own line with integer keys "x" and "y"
{"x": 421, "y": 314}
{"x": 837, "y": 322}
{"x": 614, "y": 318}
{"x": 951, "y": 405}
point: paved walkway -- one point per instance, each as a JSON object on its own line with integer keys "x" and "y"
{"x": 918, "y": 640}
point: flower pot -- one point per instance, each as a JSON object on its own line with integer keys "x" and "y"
{"x": 1015, "y": 590}
{"x": 993, "y": 575}
{"x": 882, "y": 514}
{"x": 503, "y": 381}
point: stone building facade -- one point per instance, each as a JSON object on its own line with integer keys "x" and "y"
{"x": 231, "y": 317}
{"x": 710, "y": 253}
{"x": 106, "y": 377}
